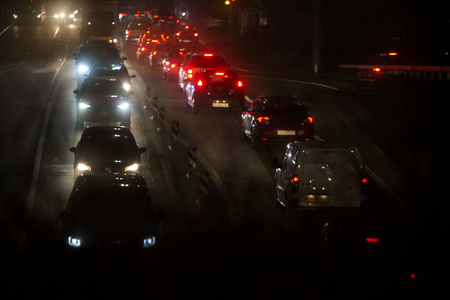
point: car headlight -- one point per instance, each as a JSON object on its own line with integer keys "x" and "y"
{"x": 132, "y": 168}
{"x": 149, "y": 242}
{"x": 126, "y": 86}
{"x": 83, "y": 68}
{"x": 74, "y": 242}
{"x": 124, "y": 105}
{"x": 83, "y": 105}
{"x": 83, "y": 167}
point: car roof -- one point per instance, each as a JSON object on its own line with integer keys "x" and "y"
{"x": 279, "y": 100}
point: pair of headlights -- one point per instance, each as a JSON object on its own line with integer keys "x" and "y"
{"x": 86, "y": 168}
{"x": 76, "y": 242}
{"x": 122, "y": 106}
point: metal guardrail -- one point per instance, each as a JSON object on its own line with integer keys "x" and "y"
{"x": 365, "y": 78}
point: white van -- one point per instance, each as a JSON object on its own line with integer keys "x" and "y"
{"x": 315, "y": 175}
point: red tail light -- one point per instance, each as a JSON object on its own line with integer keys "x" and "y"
{"x": 142, "y": 49}
{"x": 364, "y": 180}
{"x": 208, "y": 54}
{"x": 372, "y": 240}
{"x": 199, "y": 83}
{"x": 240, "y": 83}
{"x": 196, "y": 34}
{"x": 220, "y": 73}
{"x": 154, "y": 53}
{"x": 295, "y": 181}
{"x": 262, "y": 119}
{"x": 173, "y": 66}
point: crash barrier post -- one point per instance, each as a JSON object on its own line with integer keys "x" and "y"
{"x": 204, "y": 182}
{"x": 161, "y": 117}
{"x": 192, "y": 157}
{"x": 148, "y": 94}
{"x": 155, "y": 105}
{"x": 175, "y": 130}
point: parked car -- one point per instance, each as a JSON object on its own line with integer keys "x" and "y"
{"x": 315, "y": 175}
{"x": 109, "y": 212}
{"x": 105, "y": 149}
{"x": 277, "y": 119}
{"x": 215, "y": 89}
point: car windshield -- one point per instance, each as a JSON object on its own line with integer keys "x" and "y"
{"x": 286, "y": 110}
{"x": 107, "y": 141}
{"x": 102, "y": 87}
{"x": 118, "y": 203}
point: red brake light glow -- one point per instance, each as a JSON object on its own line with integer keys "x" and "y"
{"x": 142, "y": 49}
{"x": 377, "y": 70}
{"x": 240, "y": 83}
{"x": 310, "y": 119}
{"x": 261, "y": 119}
{"x": 220, "y": 73}
{"x": 208, "y": 54}
{"x": 372, "y": 240}
{"x": 392, "y": 53}
{"x": 364, "y": 180}
{"x": 199, "y": 83}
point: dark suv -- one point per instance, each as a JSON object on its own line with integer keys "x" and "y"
{"x": 215, "y": 89}
{"x": 104, "y": 149}
{"x": 276, "y": 118}
{"x": 109, "y": 212}
{"x": 197, "y": 61}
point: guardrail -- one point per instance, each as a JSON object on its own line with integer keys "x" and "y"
{"x": 365, "y": 78}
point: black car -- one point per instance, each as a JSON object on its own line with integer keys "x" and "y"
{"x": 106, "y": 149}
{"x": 109, "y": 212}
{"x": 103, "y": 99}
{"x": 120, "y": 72}
{"x": 215, "y": 89}
{"x": 276, "y": 118}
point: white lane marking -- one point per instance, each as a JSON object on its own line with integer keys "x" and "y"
{"x": 295, "y": 81}
{"x": 4, "y": 30}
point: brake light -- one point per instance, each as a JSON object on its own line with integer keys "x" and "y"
{"x": 309, "y": 120}
{"x": 262, "y": 119}
{"x": 199, "y": 83}
{"x": 220, "y": 73}
{"x": 173, "y": 66}
{"x": 372, "y": 240}
{"x": 154, "y": 53}
{"x": 189, "y": 71}
{"x": 295, "y": 186}
{"x": 377, "y": 70}
{"x": 364, "y": 180}
{"x": 240, "y": 83}
{"x": 208, "y": 54}
{"x": 196, "y": 34}
{"x": 154, "y": 41}
{"x": 142, "y": 49}
{"x": 392, "y": 53}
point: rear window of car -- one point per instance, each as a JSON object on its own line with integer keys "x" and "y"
{"x": 102, "y": 87}
{"x": 200, "y": 61}
{"x": 103, "y": 141}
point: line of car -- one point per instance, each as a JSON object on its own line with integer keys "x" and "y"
{"x": 110, "y": 205}
{"x": 312, "y": 175}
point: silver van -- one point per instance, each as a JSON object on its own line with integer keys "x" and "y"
{"x": 315, "y": 175}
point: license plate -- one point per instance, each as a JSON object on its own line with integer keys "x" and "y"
{"x": 220, "y": 105}
{"x": 317, "y": 198}
{"x": 285, "y": 132}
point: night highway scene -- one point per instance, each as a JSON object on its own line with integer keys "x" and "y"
{"x": 212, "y": 149}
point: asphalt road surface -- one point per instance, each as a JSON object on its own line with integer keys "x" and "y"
{"x": 233, "y": 241}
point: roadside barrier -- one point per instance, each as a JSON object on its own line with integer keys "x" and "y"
{"x": 204, "y": 182}
{"x": 161, "y": 117}
{"x": 175, "y": 130}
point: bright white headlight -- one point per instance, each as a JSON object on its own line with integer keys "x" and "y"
{"x": 148, "y": 242}
{"x": 124, "y": 105}
{"x": 83, "y": 167}
{"x": 74, "y": 242}
{"x": 83, "y": 105}
{"x": 83, "y": 68}
{"x": 126, "y": 86}
{"x": 132, "y": 168}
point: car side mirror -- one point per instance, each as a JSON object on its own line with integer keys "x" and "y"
{"x": 73, "y": 149}
{"x": 142, "y": 149}
{"x": 76, "y": 92}
{"x": 64, "y": 215}
{"x": 276, "y": 164}
{"x": 132, "y": 76}
{"x": 124, "y": 58}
